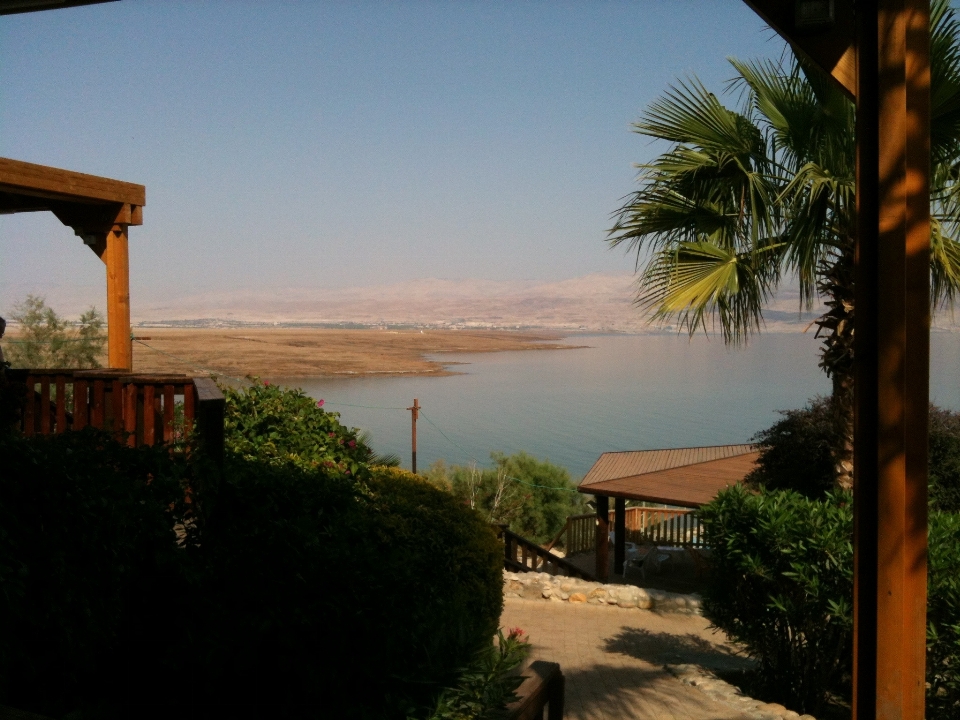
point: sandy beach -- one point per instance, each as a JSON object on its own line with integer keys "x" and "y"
{"x": 318, "y": 352}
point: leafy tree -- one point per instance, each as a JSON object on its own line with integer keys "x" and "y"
{"x": 745, "y": 198}
{"x": 533, "y": 497}
{"x": 48, "y": 340}
{"x": 795, "y": 454}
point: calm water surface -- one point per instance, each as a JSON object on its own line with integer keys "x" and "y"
{"x": 624, "y": 392}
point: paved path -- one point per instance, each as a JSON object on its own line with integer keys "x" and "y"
{"x": 613, "y": 659}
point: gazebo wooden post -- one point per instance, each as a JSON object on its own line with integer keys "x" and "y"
{"x": 603, "y": 537}
{"x": 619, "y": 534}
{"x": 117, "y": 259}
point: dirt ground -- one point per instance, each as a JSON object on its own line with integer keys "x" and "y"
{"x": 318, "y": 352}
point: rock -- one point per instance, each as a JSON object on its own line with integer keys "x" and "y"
{"x": 578, "y": 598}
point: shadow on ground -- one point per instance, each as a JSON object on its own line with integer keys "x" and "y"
{"x": 613, "y": 691}
{"x": 663, "y": 648}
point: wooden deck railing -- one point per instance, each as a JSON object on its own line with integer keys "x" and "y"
{"x": 660, "y": 526}
{"x": 541, "y": 693}
{"x": 140, "y": 409}
{"x": 522, "y": 555}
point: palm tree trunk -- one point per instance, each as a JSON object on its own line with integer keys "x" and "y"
{"x": 836, "y": 327}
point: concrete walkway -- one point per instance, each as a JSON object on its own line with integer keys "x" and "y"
{"x": 613, "y": 659}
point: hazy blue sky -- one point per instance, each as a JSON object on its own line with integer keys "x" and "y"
{"x": 351, "y": 143}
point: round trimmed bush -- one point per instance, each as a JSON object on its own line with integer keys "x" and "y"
{"x": 315, "y": 584}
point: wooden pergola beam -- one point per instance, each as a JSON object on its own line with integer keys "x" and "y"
{"x": 13, "y": 7}
{"x": 100, "y": 211}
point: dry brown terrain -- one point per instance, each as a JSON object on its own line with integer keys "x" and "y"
{"x": 318, "y": 352}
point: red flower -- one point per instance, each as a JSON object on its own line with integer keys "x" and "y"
{"x": 320, "y": 403}
{"x": 352, "y": 444}
{"x": 515, "y": 633}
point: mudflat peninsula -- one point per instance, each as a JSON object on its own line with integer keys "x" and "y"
{"x": 287, "y": 353}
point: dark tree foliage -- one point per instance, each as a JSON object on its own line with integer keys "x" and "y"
{"x": 796, "y": 452}
{"x": 92, "y": 581}
{"x": 944, "y": 460}
{"x": 293, "y": 578}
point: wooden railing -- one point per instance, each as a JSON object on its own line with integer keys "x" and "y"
{"x": 662, "y": 526}
{"x": 139, "y": 409}
{"x": 522, "y": 555}
{"x": 541, "y": 693}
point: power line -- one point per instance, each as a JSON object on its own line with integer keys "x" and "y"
{"x": 470, "y": 457}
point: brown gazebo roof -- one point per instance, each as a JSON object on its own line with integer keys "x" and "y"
{"x": 686, "y": 477}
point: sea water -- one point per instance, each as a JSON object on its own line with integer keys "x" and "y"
{"x": 620, "y": 392}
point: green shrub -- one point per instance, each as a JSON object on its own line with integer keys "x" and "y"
{"x": 292, "y": 582}
{"x": 533, "y": 497}
{"x": 943, "y": 617}
{"x": 269, "y": 423}
{"x": 782, "y": 584}
{"x": 90, "y": 571}
{"x": 315, "y": 584}
{"x": 487, "y": 685}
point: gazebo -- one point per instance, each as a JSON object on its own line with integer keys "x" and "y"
{"x": 681, "y": 477}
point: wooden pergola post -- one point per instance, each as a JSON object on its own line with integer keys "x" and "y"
{"x": 116, "y": 257}
{"x": 879, "y": 52}
{"x": 892, "y": 359}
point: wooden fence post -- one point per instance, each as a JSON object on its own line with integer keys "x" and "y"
{"x": 211, "y": 406}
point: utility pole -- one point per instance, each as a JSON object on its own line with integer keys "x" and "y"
{"x": 414, "y": 414}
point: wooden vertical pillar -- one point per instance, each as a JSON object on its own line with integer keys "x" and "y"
{"x": 619, "y": 534}
{"x": 603, "y": 537}
{"x": 892, "y": 353}
{"x": 117, "y": 259}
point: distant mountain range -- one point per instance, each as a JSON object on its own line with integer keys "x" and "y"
{"x": 589, "y": 303}
{"x": 592, "y": 303}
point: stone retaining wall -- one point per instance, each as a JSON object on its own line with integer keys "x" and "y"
{"x": 559, "y": 588}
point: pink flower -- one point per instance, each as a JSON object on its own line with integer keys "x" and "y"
{"x": 320, "y": 403}
{"x": 266, "y": 383}
{"x": 515, "y": 633}
{"x": 332, "y": 434}
{"x": 352, "y": 444}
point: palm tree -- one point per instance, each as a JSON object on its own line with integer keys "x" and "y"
{"x": 744, "y": 199}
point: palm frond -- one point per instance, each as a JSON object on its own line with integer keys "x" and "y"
{"x": 697, "y": 280}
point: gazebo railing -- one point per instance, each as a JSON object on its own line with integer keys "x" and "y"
{"x": 662, "y": 526}
{"x": 659, "y": 526}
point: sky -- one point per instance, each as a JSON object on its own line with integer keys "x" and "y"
{"x": 333, "y": 144}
